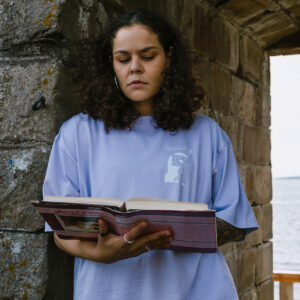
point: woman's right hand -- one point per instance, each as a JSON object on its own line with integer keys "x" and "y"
{"x": 110, "y": 247}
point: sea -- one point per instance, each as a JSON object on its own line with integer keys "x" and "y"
{"x": 286, "y": 228}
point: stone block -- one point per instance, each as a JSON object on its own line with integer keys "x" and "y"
{"x": 83, "y": 19}
{"x": 264, "y": 263}
{"x": 263, "y": 216}
{"x": 265, "y": 290}
{"x": 242, "y": 266}
{"x": 21, "y": 86}
{"x": 242, "y": 11}
{"x": 255, "y": 237}
{"x": 191, "y": 19}
{"x": 271, "y": 27}
{"x": 243, "y": 100}
{"x": 231, "y": 256}
{"x": 201, "y": 27}
{"x": 266, "y": 74}
{"x": 263, "y": 108}
{"x": 259, "y": 184}
{"x": 256, "y": 145}
{"x": 250, "y": 295}
{"x": 23, "y": 21}
{"x": 246, "y": 270}
{"x": 224, "y": 43}
{"x": 23, "y": 265}
{"x": 251, "y": 59}
{"x": 295, "y": 13}
{"x": 267, "y": 224}
{"x": 32, "y": 267}
{"x": 289, "y": 3}
{"x": 232, "y": 127}
{"x": 21, "y": 178}
{"x": 220, "y": 89}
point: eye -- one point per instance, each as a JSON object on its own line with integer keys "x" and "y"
{"x": 148, "y": 57}
{"x": 124, "y": 61}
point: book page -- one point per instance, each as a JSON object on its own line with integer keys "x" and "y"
{"x": 85, "y": 200}
{"x": 162, "y": 204}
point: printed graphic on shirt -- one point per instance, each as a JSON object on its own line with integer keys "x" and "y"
{"x": 179, "y": 165}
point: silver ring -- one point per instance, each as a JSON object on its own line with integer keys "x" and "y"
{"x": 127, "y": 241}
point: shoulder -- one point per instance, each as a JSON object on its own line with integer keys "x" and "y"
{"x": 211, "y": 130}
{"x": 74, "y": 122}
{"x": 75, "y": 129}
{"x": 79, "y": 123}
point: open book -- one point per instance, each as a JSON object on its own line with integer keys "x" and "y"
{"x": 193, "y": 224}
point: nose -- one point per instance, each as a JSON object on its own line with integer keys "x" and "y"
{"x": 136, "y": 66}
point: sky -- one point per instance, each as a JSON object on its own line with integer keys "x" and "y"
{"x": 285, "y": 115}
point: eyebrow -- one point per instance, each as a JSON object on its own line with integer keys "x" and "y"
{"x": 140, "y": 51}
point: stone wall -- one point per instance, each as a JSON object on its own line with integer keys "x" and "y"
{"x": 35, "y": 37}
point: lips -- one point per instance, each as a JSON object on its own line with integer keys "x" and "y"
{"x": 137, "y": 83}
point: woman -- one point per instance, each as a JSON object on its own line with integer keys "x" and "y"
{"x": 140, "y": 136}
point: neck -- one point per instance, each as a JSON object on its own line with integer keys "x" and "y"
{"x": 144, "y": 108}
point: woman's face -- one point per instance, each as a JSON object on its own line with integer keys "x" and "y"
{"x": 139, "y": 61}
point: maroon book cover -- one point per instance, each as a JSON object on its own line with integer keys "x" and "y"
{"x": 193, "y": 230}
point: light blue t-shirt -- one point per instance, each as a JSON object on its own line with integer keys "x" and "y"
{"x": 196, "y": 165}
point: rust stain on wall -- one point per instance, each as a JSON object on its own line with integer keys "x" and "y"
{"x": 51, "y": 17}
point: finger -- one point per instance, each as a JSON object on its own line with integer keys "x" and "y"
{"x": 164, "y": 243}
{"x": 149, "y": 239}
{"x": 136, "y": 231}
{"x": 103, "y": 226}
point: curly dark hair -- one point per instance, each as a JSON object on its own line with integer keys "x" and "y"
{"x": 174, "y": 104}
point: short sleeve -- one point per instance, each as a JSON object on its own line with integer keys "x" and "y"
{"x": 62, "y": 174}
{"x": 229, "y": 198}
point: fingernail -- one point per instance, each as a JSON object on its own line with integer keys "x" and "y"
{"x": 167, "y": 234}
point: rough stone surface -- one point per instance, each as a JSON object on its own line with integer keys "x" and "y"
{"x": 250, "y": 295}
{"x": 21, "y": 86}
{"x": 31, "y": 266}
{"x": 251, "y": 59}
{"x": 242, "y": 91}
{"x": 267, "y": 213}
{"x": 21, "y": 179}
{"x": 226, "y": 51}
{"x": 256, "y": 237}
{"x": 255, "y": 112}
{"x": 23, "y": 265}
{"x": 220, "y": 88}
{"x": 227, "y": 40}
{"x": 242, "y": 11}
{"x": 22, "y": 21}
{"x": 232, "y": 127}
{"x": 242, "y": 267}
{"x": 264, "y": 263}
{"x": 256, "y": 145}
{"x": 265, "y": 290}
{"x": 43, "y": 21}
{"x": 35, "y": 38}
{"x": 271, "y": 27}
{"x": 258, "y": 183}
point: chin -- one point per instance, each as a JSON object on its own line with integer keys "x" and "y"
{"x": 140, "y": 98}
